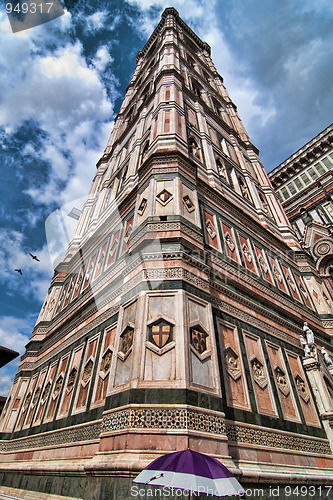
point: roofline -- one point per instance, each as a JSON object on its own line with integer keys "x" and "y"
{"x": 301, "y": 153}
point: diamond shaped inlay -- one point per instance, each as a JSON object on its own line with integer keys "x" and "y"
{"x": 188, "y": 203}
{"x": 164, "y": 197}
{"x": 232, "y": 363}
{"x": 258, "y": 372}
{"x": 301, "y": 388}
{"x": 281, "y": 380}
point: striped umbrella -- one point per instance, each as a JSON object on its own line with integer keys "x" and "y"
{"x": 192, "y": 471}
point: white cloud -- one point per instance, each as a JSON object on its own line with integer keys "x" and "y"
{"x": 64, "y": 94}
{"x": 96, "y": 21}
{"x": 102, "y": 58}
{"x": 14, "y": 333}
{"x": 14, "y": 254}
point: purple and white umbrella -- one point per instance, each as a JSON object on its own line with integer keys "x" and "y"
{"x": 192, "y": 471}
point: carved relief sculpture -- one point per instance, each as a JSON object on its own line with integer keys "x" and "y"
{"x": 198, "y": 339}
{"x": 230, "y": 242}
{"x": 259, "y": 373}
{"x": 232, "y": 363}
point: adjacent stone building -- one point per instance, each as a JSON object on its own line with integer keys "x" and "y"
{"x": 174, "y": 319}
{"x": 304, "y": 185}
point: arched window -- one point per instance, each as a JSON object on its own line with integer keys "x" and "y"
{"x": 243, "y": 187}
{"x": 197, "y": 89}
{"x": 264, "y": 203}
{"x": 190, "y": 62}
{"x": 130, "y": 114}
{"x": 145, "y": 150}
{"x": 145, "y": 94}
{"x": 221, "y": 168}
{"x": 217, "y": 107}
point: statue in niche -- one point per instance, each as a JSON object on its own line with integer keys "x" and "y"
{"x": 194, "y": 148}
{"x": 244, "y": 189}
{"x": 308, "y": 333}
{"x": 327, "y": 358}
{"x": 304, "y": 344}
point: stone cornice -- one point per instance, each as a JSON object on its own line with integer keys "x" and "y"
{"x": 303, "y": 157}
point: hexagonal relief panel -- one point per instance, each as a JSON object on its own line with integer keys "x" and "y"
{"x": 126, "y": 342}
{"x": 160, "y": 333}
{"x": 198, "y": 338}
{"x": 105, "y": 363}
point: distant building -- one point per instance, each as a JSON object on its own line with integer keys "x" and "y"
{"x": 304, "y": 185}
{"x": 6, "y": 355}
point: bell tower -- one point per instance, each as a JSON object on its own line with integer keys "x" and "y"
{"x": 173, "y": 320}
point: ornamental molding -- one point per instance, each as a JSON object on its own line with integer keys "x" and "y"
{"x": 75, "y": 336}
{"x": 276, "y": 439}
{"x": 83, "y": 433}
{"x": 242, "y": 274}
{"x": 164, "y": 418}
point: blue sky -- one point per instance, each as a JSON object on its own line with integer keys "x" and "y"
{"x": 62, "y": 83}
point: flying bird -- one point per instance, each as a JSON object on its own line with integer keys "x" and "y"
{"x": 34, "y": 257}
{"x": 19, "y": 271}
